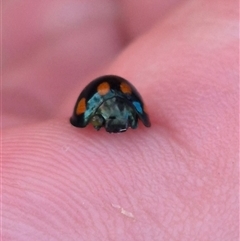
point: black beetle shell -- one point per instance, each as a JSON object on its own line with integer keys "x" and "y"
{"x": 92, "y": 99}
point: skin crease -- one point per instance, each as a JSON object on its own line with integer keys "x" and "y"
{"x": 177, "y": 180}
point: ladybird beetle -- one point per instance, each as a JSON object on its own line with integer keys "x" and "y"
{"x": 111, "y": 102}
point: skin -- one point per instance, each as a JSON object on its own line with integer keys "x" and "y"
{"x": 177, "y": 180}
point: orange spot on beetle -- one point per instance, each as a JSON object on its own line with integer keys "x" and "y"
{"x": 125, "y": 88}
{"x": 103, "y": 88}
{"x": 81, "y": 107}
